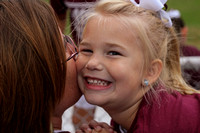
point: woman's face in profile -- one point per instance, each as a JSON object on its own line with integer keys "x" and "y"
{"x": 71, "y": 92}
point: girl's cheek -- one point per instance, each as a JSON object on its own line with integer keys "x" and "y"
{"x": 79, "y": 64}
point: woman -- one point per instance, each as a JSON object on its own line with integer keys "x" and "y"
{"x": 34, "y": 74}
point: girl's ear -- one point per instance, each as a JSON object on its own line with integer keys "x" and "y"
{"x": 154, "y": 71}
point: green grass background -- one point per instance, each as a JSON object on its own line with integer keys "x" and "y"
{"x": 190, "y": 12}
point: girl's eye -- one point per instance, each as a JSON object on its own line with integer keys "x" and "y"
{"x": 86, "y": 50}
{"x": 114, "y": 53}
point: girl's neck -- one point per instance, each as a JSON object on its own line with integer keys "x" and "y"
{"x": 126, "y": 116}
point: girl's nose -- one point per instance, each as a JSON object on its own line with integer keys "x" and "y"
{"x": 94, "y": 63}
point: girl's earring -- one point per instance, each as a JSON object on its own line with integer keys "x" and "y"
{"x": 146, "y": 82}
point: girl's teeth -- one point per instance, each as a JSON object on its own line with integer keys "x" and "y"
{"x": 97, "y": 82}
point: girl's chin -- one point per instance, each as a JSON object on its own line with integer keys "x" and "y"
{"x": 95, "y": 100}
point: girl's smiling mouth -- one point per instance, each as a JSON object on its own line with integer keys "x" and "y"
{"x": 97, "y": 84}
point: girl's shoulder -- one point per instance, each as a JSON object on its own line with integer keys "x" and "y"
{"x": 169, "y": 113}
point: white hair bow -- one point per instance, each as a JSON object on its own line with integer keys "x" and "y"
{"x": 174, "y": 13}
{"x": 155, "y": 5}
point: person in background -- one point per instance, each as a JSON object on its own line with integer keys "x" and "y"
{"x": 82, "y": 111}
{"x": 76, "y": 8}
{"x": 191, "y": 71}
{"x": 37, "y": 73}
{"x": 182, "y": 30}
{"x": 129, "y": 64}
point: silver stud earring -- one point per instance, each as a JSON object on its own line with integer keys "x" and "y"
{"x": 146, "y": 82}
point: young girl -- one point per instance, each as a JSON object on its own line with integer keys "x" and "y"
{"x": 129, "y": 65}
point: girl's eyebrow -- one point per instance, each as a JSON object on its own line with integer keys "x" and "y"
{"x": 115, "y": 45}
{"x": 107, "y": 44}
{"x": 84, "y": 43}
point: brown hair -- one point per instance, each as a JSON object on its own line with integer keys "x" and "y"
{"x": 158, "y": 41}
{"x": 32, "y": 77}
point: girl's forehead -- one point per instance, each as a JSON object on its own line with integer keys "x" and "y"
{"x": 110, "y": 29}
{"x": 123, "y": 22}
{"x": 112, "y": 25}
{"x": 108, "y": 24}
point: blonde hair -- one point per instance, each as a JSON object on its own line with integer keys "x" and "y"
{"x": 159, "y": 41}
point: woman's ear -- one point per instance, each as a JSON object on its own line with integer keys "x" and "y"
{"x": 154, "y": 71}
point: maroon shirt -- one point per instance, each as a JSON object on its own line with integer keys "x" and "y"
{"x": 187, "y": 50}
{"x": 173, "y": 113}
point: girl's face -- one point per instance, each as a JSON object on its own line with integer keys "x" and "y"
{"x": 109, "y": 64}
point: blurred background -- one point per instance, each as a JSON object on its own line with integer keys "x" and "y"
{"x": 190, "y": 12}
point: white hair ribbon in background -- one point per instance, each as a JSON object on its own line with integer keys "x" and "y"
{"x": 174, "y": 13}
{"x": 155, "y": 5}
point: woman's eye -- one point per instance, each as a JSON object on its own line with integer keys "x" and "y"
{"x": 114, "y": 53}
